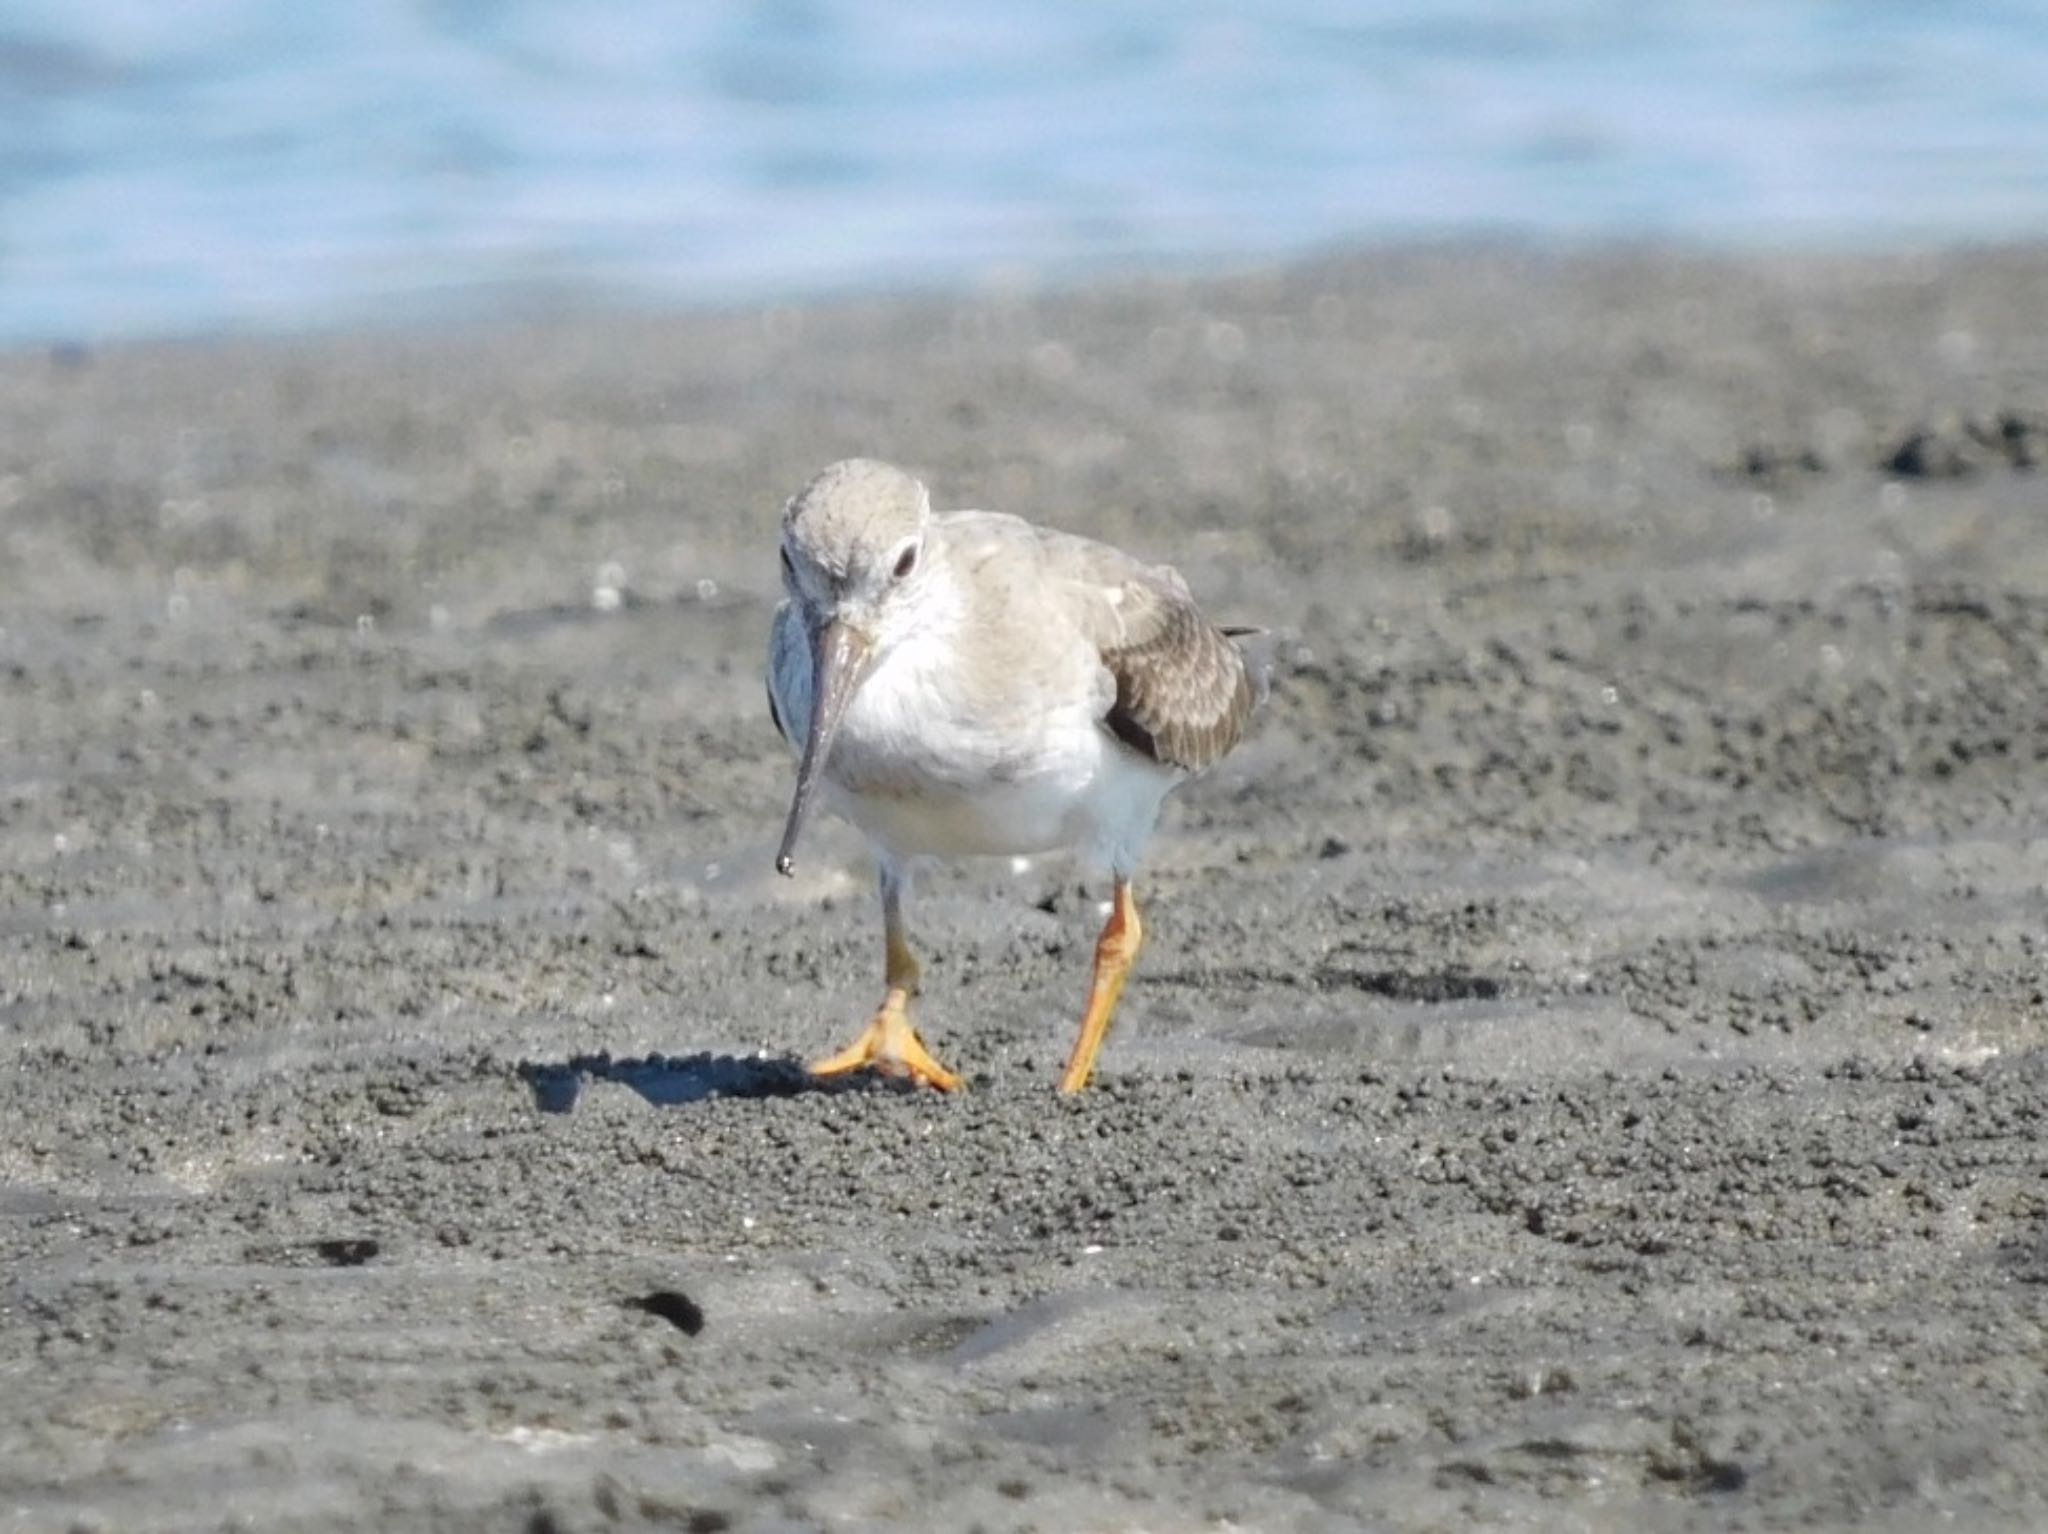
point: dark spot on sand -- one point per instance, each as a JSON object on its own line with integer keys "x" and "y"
{"x": 1955, "y": 446}
{"x": 346, "y": 1251}
{"x": 674, "y": 1307}
{"x": 1424, "y": 986}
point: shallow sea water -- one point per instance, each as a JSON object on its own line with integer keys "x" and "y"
{"x": 236, "y": 164}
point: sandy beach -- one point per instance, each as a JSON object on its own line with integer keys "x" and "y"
{"x": 1589, "y": 1067}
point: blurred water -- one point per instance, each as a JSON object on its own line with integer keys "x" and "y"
{"x": 208, "y": 163}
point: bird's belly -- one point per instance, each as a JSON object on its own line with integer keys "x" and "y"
{"x": 928, "y": 767}
{"x": 957, "y": 786}
{"x": 945, "y": 820}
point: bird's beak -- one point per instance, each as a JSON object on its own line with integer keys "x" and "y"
{"x": 839, "y": 663}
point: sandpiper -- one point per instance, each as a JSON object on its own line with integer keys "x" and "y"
{"x": 968, "y": 683}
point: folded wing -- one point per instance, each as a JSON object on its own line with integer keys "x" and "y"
{"x": 1184, "y": 690}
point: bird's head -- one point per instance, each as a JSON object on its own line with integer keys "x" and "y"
{"x": 852, "y": 544}
{"x": 853, "y": 562}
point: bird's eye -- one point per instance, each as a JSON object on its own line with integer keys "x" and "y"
{"x": 906, "y": 561}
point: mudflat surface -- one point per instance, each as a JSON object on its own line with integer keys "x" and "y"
{"x": 1587, "y": 1071}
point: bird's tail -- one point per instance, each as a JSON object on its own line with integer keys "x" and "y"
{"x": 1260, "y": 648}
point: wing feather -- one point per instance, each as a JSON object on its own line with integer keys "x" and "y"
{"x": 1174, "y": 687}
{"x": 1184, "y": 690}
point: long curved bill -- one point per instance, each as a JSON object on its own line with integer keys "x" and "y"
{"x": 839, "y": 661}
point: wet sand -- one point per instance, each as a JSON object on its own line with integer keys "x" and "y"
{"x": 1587, "y": 1071}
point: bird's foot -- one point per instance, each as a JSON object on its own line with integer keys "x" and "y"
{"x": 891, "y": 1046}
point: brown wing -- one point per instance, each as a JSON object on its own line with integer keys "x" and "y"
{"x": 1173, "y": 686}
{"x": 1183, "y": 688}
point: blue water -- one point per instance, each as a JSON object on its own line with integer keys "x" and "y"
{"x": 178, "y": 165}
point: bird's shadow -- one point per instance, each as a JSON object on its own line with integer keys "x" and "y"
{"x": 670, "y": 1081}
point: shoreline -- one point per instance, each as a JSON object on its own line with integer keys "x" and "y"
{"x": 506, "y": 306}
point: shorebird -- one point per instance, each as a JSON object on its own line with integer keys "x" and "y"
{"x": 968, "y": 683}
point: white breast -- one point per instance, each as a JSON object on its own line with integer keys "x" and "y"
{"x": 924, "y": 768}
{"x": 938, "y": 758}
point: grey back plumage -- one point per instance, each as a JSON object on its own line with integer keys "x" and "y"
{"x": 1182, "y": 690}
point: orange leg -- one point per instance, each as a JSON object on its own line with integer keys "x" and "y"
{"x": 889, "y": 1044}
{"x": 1114, "y": 951}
